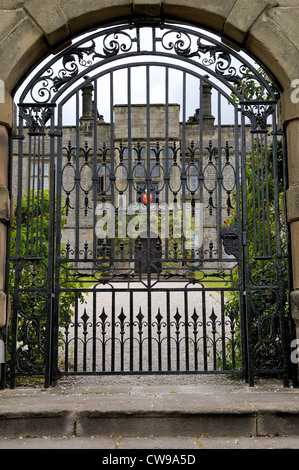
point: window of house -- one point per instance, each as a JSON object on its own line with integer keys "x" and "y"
{"x": 192, "y": 178}
{"x": 104, "y": 184}
{"x": 40, "y": 174}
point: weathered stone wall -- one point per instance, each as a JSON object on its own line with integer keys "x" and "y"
{"x": 267, "y": 29}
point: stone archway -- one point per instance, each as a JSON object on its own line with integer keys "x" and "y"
{"x": 267, "y": 30}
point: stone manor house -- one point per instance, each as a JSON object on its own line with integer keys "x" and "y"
{"x": 39, "y": 177}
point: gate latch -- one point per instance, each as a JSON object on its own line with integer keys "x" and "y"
{"x": 232, "y": 240}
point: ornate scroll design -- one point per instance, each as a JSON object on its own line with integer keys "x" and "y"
{"x": 258, "y": 115}
{"x": 36, "y": 118}
{"x": 71, "y": 62}
{"x": 189, "y": 44}
{"x": 77, "y": 59}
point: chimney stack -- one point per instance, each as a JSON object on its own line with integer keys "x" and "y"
{"x": 86, "y": 120}
{"x": 87, "y": 94}
{"x": 208, "y": 118}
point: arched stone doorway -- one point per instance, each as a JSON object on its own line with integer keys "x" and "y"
{"x": 256, "y": 28}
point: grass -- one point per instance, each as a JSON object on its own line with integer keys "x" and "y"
{"x": 213, "y": 282}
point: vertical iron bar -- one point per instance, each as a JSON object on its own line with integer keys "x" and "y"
{"x": 219, "y": 182}
{"x": 131, "y": 330}
{"x": 94, "y": 330}
{"x": 201, "y": 156}
{"x": 223, "y": 332}
{"x": 95, "y": 166}
{"x": 262, "y": 183}
{"x": 29, "y": 188}
{"x": 77, "y": 183}
{"x": 66, "y": 345}
{"x": 186, "y": 328}
{"x": 148, "y": 207}
{"x": 76, "y": 338}
{"x": 95, "y": 199}
{"x": 113, "y": 331}
{"x": 31, "y": 224}
{"x": 140, "y": 334}
{"x": 168, "y": 321}
{"x": 112, "y": 164}
{"x": 246, "y": 265}
{"x": 241, "y": 280}
{"x": 204, "y": 332}
{"x": 51, "y": 334}
{"x": 130, "y": 166}
{"x": 166, "y": 162}
{"x": 195, "y": 343}
{"x": 253, "y": 166}
{"x": 84, "y": 339}
{"x": 258, "y": 193}
{"x": 177, "y": 340}
{"x": 183, "y": 174}
{"x": 57, "y": 262}
{"x": 39, "y": 176}
{"x": 268, "y": 253}
{"x": 103, "y": 342}
{"x": 42, "y": 194}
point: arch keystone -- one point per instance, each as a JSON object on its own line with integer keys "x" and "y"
{"x": 211, "y": 13}
{"x": 147, "y": 7}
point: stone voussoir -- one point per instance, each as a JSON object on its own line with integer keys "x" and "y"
{"x": 49, "y": 18}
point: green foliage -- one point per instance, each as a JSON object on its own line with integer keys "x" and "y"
{"x": 260, "y": 182}
{"x": 252, "y": 89}
{"x": 32, "y": 299}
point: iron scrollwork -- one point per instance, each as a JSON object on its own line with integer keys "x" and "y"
{"x": 258, "y": 115}
{"x": 191, "y": 45}
{"x": 77, "y": 60}
{"x": 36, "y": 117}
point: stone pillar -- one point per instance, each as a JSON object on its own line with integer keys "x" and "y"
{"x": 5, "y": 124}
{"x": 290, "y": 112}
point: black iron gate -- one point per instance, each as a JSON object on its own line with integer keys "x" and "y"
{"x": 149, "y": 234}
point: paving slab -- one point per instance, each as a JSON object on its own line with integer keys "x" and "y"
{"x": 150, "y": 406}
{"x": 180, "y": 443}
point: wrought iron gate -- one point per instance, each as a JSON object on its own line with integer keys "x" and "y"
{"x": 149, "y": 234}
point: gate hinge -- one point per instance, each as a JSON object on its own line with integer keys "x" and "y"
{"x": 244, "y": 239}
{"x": 55, "y": 133}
